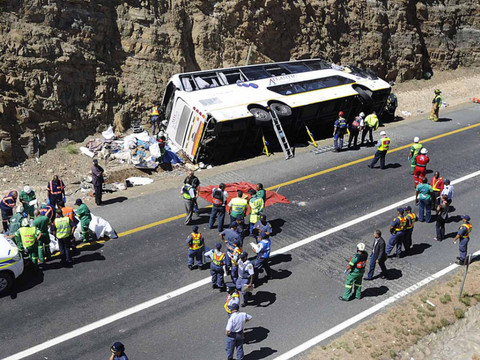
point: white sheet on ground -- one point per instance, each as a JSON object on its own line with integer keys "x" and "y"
{"x": 87, "y": 152}
{"x": 109, "y": 134}
{"x": 139, "y": 180}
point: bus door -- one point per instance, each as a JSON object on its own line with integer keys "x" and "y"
{"x": 194, "y": 135}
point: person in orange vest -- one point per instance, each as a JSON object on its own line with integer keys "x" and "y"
{"x": 397, "y": 229}
{"x": 233, "y": 297}
{"x": 464, "y": 236}
{"x": 7, "y": 204}
{"x": 421, "y": 161}
{"x": 55, "y": 191}
{"x": 234, "y": 257}
{"x": 155, "y": 114}
{"x": 216, "y": 267}
{"x": 437, "y": 186}
{"x": 66, "y": 211}
{"x": 196, "y": 247}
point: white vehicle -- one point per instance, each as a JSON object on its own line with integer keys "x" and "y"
{"x": 11, "y": 263}
{"x": 216, "y": 114}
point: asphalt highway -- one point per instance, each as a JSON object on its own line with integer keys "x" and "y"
{"x": 299, "y": 303}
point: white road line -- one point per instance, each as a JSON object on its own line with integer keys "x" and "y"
{"x": 342, "y": 326}
{"x": 160, "y": 299}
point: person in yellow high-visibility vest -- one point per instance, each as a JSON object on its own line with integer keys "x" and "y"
{"x": 371, "y": 123}
{"x": 383, "y": 145}
{"x": 436, "y": 104}
{"x": 64, "y": 228}
{"x": 196, "y": 248}
{"x": 256, "y": 208}
{"x": 155, "y": 117}
{"x": 27, "y": 239}
{"x": 237, "y": 206}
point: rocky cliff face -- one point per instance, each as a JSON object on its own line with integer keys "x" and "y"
{"x": 68, "y": 66}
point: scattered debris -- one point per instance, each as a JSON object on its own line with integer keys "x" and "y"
{"x": 406, "y": 113}
{"x": 138, "y": 180}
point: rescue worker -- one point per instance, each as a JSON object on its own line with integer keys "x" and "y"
{"x": 262, "y": 226}
{"x": 196, "y": 247}
{"x": 390, "y": 107}
{"x": 256, "y": 208}
{"x": 423, "y": 197}
{"x": 339, "y": 129}
{"x": 66, "y": 210}
{"x": 421, "y": 161}
{"x": 246, "y": 274}
{"x": 356, "y": 266}
{"x": 397, "y": 231}
{"x": 414, "y": 151}
{"x": 383, "y": 145}
{"x": 189, "y": 196}
{"x": 371, "y": 123}
{"x": 216, "y": 267}
{"x": 234, "y": 257}
{"x": 155, "y": 117}
{"x": 233, "y": 297}
{"x": 83, "y": 213}
{"x": 437, "y": 187}
{"x": 55, "y": 191}
{"x": 261, "y": 193}
{"x": 436, "y": 103}
{"x": 355, "y": 128}
{"x": 97, "y": 181}
{"x": 48, "y": 211}
{"x": 242, "y": 228}
{"x": 42, "y": 223}
{"x": 228, "y": 236}
{"x": 64, "y": 228}
{"x": 234, "y": 332}
{"x": 28, "y": 239}
{"x": 262, "y": 249}
{"x": 237, "y": 206}
{"x": 464, "y": 236}
{"x": 27, "y": 195}
{"x": 16, "y": 220}
{"x": 195, "y": 182}
{"x": 411, "y": 217}
{"x": 219, "y": 198}
{"x": 7, "y": 204}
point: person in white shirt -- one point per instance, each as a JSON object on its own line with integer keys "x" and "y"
{"x": 234, "y": 332}
{"x": 447, "y": 190}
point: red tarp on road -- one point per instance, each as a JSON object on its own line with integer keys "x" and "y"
{"x": 205, "y": 192}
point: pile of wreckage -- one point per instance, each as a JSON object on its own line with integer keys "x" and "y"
{"x": 139, "y": 149}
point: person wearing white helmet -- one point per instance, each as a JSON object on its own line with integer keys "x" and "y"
{"x": 382, "y": 147}
{"x": 420, "y": 171}
{"x": 355, "y": 127}
{"x": 355, "y": 269}
{"x": 16, "y": 220}
{"x": 27, "y": 195}
{"x": 414, "y": 151}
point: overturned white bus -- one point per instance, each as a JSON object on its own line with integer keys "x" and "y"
{"x": 216, "y": 116}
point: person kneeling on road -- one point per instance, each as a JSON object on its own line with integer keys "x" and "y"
{"x": 196, "y": 247}
{"x": 356, "y": 266}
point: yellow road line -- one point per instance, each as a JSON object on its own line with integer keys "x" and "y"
{"x": 302, "y": 178}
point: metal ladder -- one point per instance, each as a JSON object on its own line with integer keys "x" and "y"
{"x": 282, "y": 139}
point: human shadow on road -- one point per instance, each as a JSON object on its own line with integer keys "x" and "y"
{"x": 374, "y": 291}
{"x": 255, "y": 335}
{"x": 118, "y": 199}
{"x": 280, "y": 258}
{"x": 418, "y": 249}
{"x": 455, "y": 218}
{"x": 276, "y": 275}
{"x": 429, "y": 171}
{"x": 394, "y": 274}
{"x": 450, "y": 235}
{"x": 260, "y": 354}
{"x": 28, "y": 280}
{"x": 444, "y": 119}
{"x": 276, "y": 225}
{"x": 88, "y": 258}
{"x": 264, "y": 298}
{"x": 393, "y": 166}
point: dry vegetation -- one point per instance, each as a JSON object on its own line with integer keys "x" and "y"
{"x": 402, "y": 325}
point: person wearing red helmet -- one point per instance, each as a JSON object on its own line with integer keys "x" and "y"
{"x": 339, "y": 130}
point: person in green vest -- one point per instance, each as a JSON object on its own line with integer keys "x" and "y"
{"x": 414, "y": 151}
{"x": 356, "y": 266}
{"x": 436, "y": 104}
{"x": 26, "y": 196}
{"x": 42, "y": 223}
{"x": 237, "y": 206}
{"x": 256, "y": 208}
{"x": 83, "y": 213}
{"x": 16, "y": 220}
{"x": 64, "y": 228}
{"x": 261, "y": 192}
{"x": 27, "y": 239}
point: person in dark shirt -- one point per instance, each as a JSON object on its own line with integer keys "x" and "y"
{"x": 97, "y": 180}
{"x": 118, "y": 352}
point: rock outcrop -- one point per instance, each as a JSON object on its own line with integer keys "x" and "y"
{"x": 69, "y": 66}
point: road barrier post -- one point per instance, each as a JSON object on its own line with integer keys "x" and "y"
{"x": 469, "y": 257}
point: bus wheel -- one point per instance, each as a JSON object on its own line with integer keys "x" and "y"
{"x": 280, "y": 109}
{"x": 262, "y": 117}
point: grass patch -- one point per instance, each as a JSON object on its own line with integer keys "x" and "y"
{"x": 466, "y": 300}
{"x": 445, "y": 299}
{"x": 71, "y": 149}
{"x": 459, "y": 313}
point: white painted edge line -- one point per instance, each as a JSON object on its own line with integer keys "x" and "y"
{"x": 342, "y": 326}
{"x": 160, "y": 299}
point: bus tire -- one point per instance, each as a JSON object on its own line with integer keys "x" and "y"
{"x": 262, "y": 117}
{"x": 280, "y": 109}
{"x": 364, "y": 97}
{"x": 6, "y": 281}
